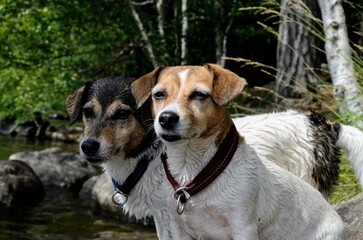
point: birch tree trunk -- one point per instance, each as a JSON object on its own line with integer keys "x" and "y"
{"x": 184, "y": 30}
{"x": 144, "y": 35}
{"x": 166, "y": 15}
{"x": 297, "y": 54}
{"x": 222, "y": 31}
{"x": 360, "y": 42}
{"x": 159, "y": 5}
{"x": 347, "y": 92}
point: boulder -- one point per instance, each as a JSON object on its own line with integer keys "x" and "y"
{"x": 57, "y": 168}
{"x": 19, "y": 185}
{"x": 86, "y": 190}
{"x": 9, "y": 127}
{"x": 351, "y": 212}
{"x": 126, "y": 233}
{"x": 100, "y": 189}
{"x": 102, "y": 192}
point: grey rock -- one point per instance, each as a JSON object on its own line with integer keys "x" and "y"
{"x": 57, "y": 168}
{"x": 102, "y": 192}
{"x": 101, "y": 189}
{"x": 86, "y": 190}
{"x": 351, "y": 212}
{"x": 126, "y": 234}
{"x": 19, "y": 185}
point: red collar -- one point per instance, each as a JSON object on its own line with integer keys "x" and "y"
{"x": 208, "y": 174}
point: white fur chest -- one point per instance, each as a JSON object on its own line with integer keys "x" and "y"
{"x": 206, "y": 222}
{"x": 213, "y": 212}
{"x": 144, "y": 198}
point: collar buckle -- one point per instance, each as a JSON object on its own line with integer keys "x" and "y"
{"x": 122, "y": 191}
{"x": 181, "y": 196}
{"x": 119, "y": 198}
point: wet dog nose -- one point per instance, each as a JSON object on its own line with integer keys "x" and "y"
{"x": 90, "y": 147}
{"x": 168, "y": 119}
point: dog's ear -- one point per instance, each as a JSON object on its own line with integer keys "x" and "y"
{"x": 75, "y": 102}
{"x": 141, "y": 87}
{"x": 226, "y": 84}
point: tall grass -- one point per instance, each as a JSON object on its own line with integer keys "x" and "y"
{"x": 321, "y": 99}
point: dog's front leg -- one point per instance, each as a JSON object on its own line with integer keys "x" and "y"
{"x": 162, "y": 223}
{"x": 177, "y": 232}
{"x": 245, "y": 235}
{"x": 244, "y": 231}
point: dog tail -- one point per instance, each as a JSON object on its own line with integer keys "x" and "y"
{"x": 351, "y": 139}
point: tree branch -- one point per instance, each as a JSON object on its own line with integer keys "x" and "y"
{"x": 183, "y": 43}
{"x": 142, "y": 3}
{"x": 225, "y": 37}
{"x": 139, "y": 24}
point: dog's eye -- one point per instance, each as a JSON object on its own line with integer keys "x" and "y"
{"x": 88, "y": 112}
{"x": 197, "y": 95}
{"x": 121, "y": 114}
{"x": 159, "y": 95}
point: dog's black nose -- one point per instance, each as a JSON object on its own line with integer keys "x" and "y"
{"x": 168, "y": 119}
{"x": 90, "y": 147}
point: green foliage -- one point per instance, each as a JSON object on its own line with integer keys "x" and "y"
{"x": 50, "y": 48}
{"x": 321, "y": 99}
{"x": 347, "y": 186}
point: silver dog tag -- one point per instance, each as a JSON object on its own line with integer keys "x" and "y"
{"x": 181, "y": 197}
{"x": 119, "y": 198}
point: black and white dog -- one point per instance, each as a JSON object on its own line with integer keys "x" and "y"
{"x": 120, "y": 138}
{"x": 304, "y": 143}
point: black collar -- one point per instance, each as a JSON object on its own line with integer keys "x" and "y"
{"x": 122, "y": 191}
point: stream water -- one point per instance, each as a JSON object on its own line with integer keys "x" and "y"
{"x": 61, "y": 215}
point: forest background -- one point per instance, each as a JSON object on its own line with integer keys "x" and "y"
{"x": 49, "y": 48}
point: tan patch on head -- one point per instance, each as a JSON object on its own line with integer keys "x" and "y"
{"x": 226, "y": 84}
{"x": 168, "y": 82}
{"x": 199, "y": 93}
{"x": 141, "y": 88}
{"x": 127, "y": 133}
{"x": 206, "y": 117}
{"x": 123, "y": 135}
{"x": 91, "y": 123}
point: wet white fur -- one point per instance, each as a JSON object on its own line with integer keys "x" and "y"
{"x": 146, "y": 199}
{"x": 351, "y": 139}
{"x": 286, "y": 138}
{"x": 279, "y": 136}
{"x": 253, "y": 198}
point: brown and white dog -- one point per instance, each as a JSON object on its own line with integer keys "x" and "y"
{"x": 222, "y": 188}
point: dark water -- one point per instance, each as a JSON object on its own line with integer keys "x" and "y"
{"x": 61, "y": 215}
{"x": 10, "y": 145}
